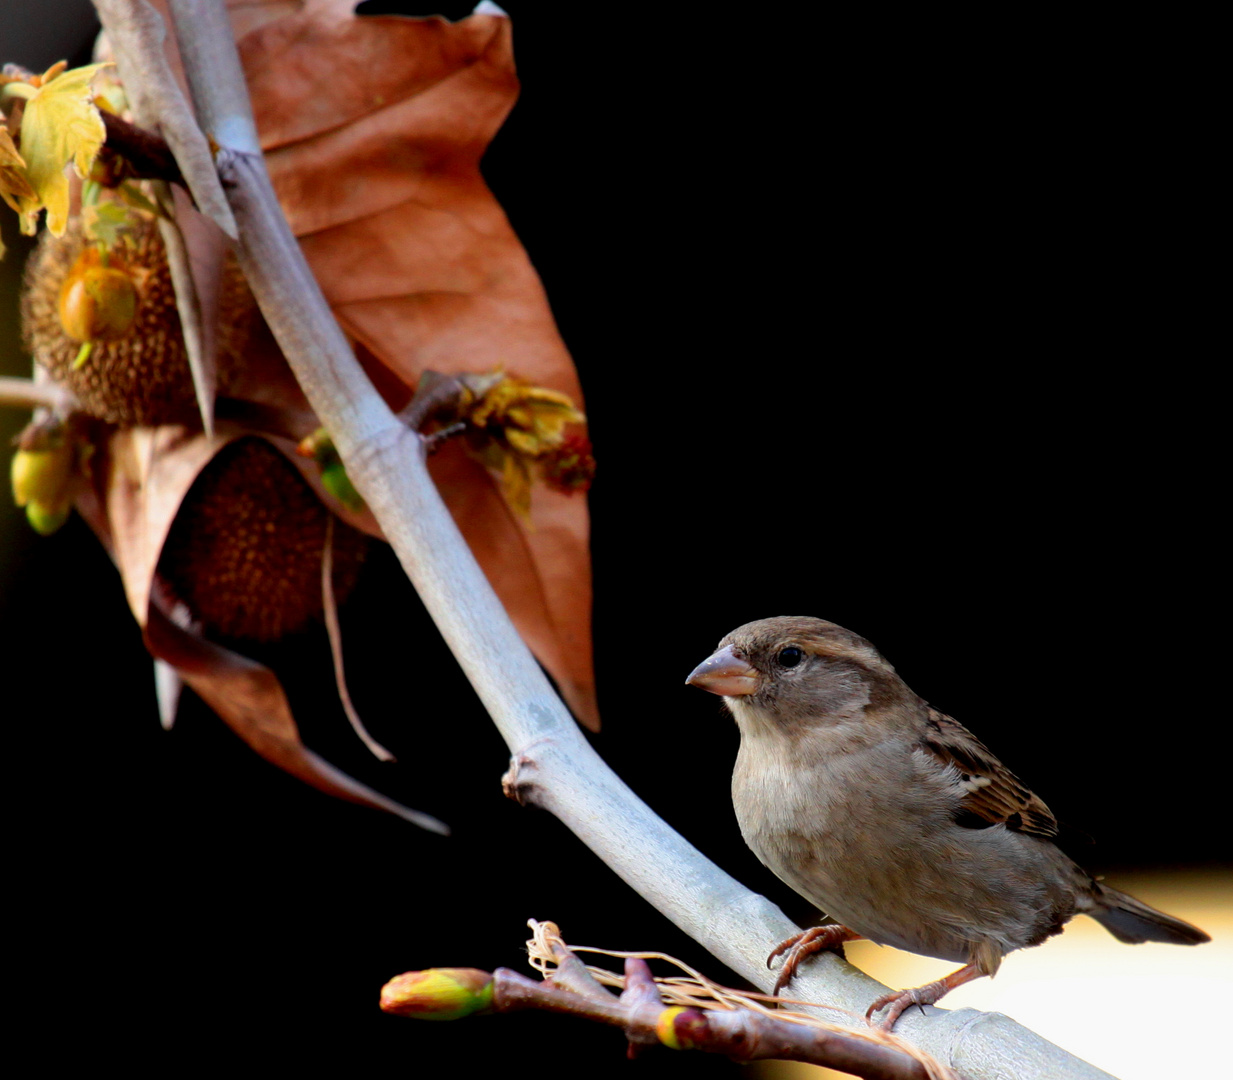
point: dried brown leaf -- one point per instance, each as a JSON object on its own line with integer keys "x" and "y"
{"x": 142, "y": 478}
{"x": 148, "y": 473}
{"x": 374, "y": 127}
{"x": 250, "y": 699}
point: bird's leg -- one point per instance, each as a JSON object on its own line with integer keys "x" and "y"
{"x": 901, "y": 1000}
{"x": 799, "y": 946}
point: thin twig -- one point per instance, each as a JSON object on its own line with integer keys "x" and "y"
{"x": 334, "y": 632}
{"x": 737, "y": 1034}
{"x": 148, "y": 154}
{"x": 434, "y": 394}
{"x": 28, "y": 394}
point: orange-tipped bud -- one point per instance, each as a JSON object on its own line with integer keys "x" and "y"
{"x": 320, "y": 447}
{"x": 438, "y": 993}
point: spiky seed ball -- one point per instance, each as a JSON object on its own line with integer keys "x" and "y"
{"x": 244, "y": 552}
{"x": 140, "y": 377}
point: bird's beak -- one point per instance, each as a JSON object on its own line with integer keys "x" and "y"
{"x": 726, "y": 674}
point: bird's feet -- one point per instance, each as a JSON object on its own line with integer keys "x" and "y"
{"x": 899, "y": 1001}
{"x": 819, "y": 939}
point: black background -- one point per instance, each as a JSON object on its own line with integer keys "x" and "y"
{"x": 899, "y": 324}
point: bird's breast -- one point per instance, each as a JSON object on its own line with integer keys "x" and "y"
{"x": 800, "y": 812}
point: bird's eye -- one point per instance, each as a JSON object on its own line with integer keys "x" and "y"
{"x": 790, "y": 657}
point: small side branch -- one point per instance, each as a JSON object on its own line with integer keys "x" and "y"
{"x": 28, "y": 394}
{"x": 640, "y": 1012}
{"x": 743, "y": 1036}
{"x": 148, "y": 154}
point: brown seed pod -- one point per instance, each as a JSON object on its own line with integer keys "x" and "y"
{"x": 244, "y": 552}
{"x": 134, "y": 375}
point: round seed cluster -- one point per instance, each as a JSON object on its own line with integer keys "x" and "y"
{"x": 143, "y": 377}
{"x": 244, "y": 552}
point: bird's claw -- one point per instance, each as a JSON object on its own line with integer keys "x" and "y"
{"x": 819, "y": 939}
{"x": 899, "y": 1001}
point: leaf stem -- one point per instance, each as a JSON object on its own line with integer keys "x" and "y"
{"x": 147, "y": 153}
{"x": 18, "y": 90}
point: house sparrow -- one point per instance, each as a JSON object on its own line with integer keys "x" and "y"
{"x": 893, "y": 818}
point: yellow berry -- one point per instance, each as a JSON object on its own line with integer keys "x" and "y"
{"x": 97, "y": 302}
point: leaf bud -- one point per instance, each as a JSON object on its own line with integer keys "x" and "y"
{"x": 438, "y": 993}
{"x": 320, "y": 447}
{"x": 682, "y": 1029}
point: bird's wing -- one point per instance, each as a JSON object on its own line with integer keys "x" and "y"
{"x": 993, "y": 794}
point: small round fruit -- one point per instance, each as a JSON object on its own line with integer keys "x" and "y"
{"x": 41, "y": 475}
{"x": 133, "y": 376}
{"x": 97, "y": 302}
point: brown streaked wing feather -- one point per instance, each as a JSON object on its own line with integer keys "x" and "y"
{"x": 1004, "y": 799}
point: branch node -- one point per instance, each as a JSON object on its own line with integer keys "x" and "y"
{"x": 515, "y": 785}
{"x": 434, "y": 395}
{"x": 434, "y": 442}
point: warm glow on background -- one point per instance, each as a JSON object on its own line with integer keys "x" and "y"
{"x": 1140, "y": 1012}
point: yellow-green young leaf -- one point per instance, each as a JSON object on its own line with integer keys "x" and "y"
{"x": 15, "y": 189}
{"x": 61, "y": 124}
{"x": 104, "y": 222}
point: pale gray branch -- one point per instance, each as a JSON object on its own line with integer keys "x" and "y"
{"x": 136, "y": 31}
{"x": 553, "y": 765}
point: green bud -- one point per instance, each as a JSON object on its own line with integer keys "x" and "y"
{"x": 337, "y": 483}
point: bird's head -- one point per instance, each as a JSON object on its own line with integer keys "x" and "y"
{"x": 795, "y": 671}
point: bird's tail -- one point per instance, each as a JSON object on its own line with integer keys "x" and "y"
{"x": 1133, "y": 921}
